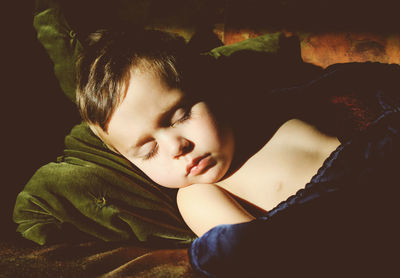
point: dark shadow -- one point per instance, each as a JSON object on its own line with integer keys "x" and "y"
{"x": 36, "y": 115}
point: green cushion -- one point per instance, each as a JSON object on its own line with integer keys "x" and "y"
{"x": 268, "y": 43}
{"x": 98, "y": 192}
{"x": 62, "y": 45}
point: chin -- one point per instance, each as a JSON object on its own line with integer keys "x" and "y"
{"x": 214, "y": 175}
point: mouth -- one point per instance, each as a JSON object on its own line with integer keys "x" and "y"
{"x": 200, "y": 165}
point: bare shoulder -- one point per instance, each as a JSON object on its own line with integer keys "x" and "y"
{"x": 204, "y": 206}
{"x": 298, "y": 125}
{"x": 306, "y": 135}
{"x": 199, "y": 191}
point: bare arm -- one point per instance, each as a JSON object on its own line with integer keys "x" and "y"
{"x": 204, "y": 206}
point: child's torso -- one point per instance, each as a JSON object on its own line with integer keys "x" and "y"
{"x": 285, "y": 164}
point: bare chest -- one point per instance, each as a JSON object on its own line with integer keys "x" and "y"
{"x": 283, "y": 166}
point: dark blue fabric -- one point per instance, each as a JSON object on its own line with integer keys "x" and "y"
{"x": 343, "y": 222}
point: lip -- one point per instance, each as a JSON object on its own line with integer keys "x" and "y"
{"x": 200, "y": 165}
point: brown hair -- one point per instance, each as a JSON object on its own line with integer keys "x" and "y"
{"x": 104, "y": 67}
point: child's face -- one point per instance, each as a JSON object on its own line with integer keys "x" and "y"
{"x": 172, "y": 140}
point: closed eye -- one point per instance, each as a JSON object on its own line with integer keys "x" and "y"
{"x": 152, "y": 153}
{"x": 181, "y": 115}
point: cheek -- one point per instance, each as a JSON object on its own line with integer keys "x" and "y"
{"x": 207, "y": 133}
{"x": 160, "y": 173}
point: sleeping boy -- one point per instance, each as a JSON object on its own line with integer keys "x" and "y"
{"x": 135, "y": 97}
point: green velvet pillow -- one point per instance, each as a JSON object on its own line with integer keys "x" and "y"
{"x": 60, "y": 42}
{"x": 98, "y": 192}
{"x": 90, "y": 188}
{"x": 268, "y": 43}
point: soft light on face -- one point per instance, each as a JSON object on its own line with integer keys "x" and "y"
{"x": 174, "y": 141}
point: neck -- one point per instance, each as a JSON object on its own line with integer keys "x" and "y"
{"x": 253, "y": 131}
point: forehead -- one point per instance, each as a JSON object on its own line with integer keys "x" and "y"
{"x": 146, "y": 98}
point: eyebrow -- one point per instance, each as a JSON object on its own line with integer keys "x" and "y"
{"x": 162, "y": 118}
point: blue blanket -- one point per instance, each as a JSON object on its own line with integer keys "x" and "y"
{"x": 344, "y": 222}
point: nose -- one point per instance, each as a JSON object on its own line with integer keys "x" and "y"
{"x": 176, "y": 145}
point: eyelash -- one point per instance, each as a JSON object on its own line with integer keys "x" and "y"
{"x": 154, "y": 151}
{"x": 185, "y": 117}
